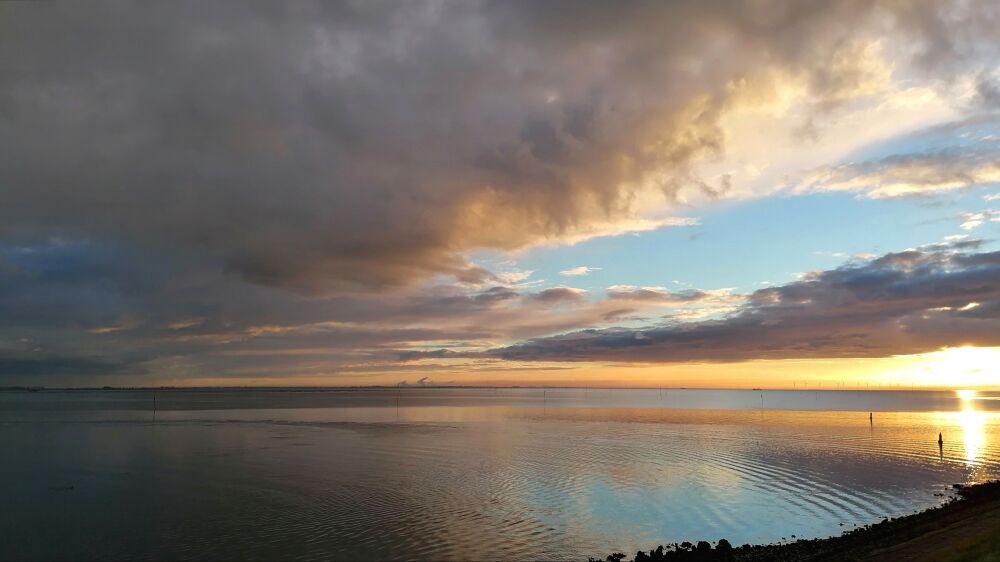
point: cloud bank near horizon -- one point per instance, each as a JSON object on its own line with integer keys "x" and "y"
{"x": 901, "y": 303}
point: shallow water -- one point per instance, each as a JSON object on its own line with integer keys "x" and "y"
{"x": 468, "y": 473}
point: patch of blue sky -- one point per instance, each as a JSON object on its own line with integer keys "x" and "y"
{"x": 747, "y": 244}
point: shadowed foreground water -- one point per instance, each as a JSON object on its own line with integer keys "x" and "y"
{"x": 468, "y": 473}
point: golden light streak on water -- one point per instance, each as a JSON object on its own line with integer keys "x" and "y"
{"x": 973, "y": 423}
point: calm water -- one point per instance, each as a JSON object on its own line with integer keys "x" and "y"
{"x": 468, "y": 473}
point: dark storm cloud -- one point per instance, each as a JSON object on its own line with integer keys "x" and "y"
{"x": 325, "y": 146}
{"x": 900, "y": 303}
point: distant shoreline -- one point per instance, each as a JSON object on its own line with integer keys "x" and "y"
{"x": 16, "y": 388}
{"x": 967, "y": 527}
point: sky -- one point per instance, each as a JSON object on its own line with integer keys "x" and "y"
{"x": 758, "y": 193}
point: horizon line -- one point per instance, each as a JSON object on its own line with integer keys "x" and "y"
{"x": 900, "y": 388}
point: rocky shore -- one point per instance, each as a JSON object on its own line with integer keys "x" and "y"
{"x": 967, "y": 527}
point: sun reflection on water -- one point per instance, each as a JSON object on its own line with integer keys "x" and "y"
{"x": 973, "y": 423}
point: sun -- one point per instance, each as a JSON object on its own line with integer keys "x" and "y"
{"x": 966, "y": 394}
{"x": 968, "y": 357}
{"x": 965, "y": 367}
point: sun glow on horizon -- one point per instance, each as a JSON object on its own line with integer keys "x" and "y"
{"x": 963, "y": 369}
{"x": 966, "y": 367}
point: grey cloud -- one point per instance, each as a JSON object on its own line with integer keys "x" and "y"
{"x": 910, "y": 174}
{"x": 988, "y": 91}
{"x": 960, "y": 244}
{"x": 559, "y": 295}
{"x": 496, "y": 294}
{"x": 620, "y": 314}
{"x": 655, "y": 294}
{"x": 900, "y": 303}
{"x": 118, "y": 308}
{"x": 435, "y": 354}
{"x": 350, "y": 145}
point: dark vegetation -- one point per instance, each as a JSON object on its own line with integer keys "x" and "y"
{"x": 967, "y": 527}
